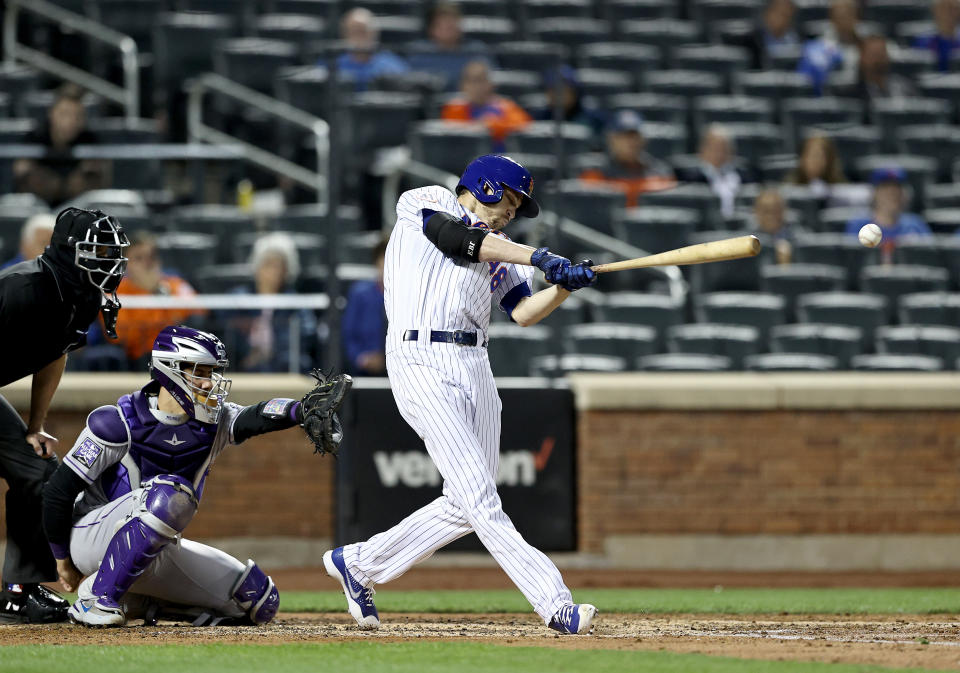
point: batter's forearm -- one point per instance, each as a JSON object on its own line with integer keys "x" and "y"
{"x": 496, "y": 249}
{"x": 44, "y": 386}
{"x": 535, "y": 308}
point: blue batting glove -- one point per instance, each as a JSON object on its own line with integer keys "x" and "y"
{"x": 554, "y": 267}
{"x": 579, "y": 276}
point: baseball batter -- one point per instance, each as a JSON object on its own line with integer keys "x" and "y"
{"x": 445, "y": 261}
{"x": 141, "y": 466}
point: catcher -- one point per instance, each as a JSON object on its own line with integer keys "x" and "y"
{"x": 141, "y": 466}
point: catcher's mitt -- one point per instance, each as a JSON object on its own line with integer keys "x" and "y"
{"x": 318, "y": 411}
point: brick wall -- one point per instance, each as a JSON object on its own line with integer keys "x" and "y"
{"x": 767, "y": 472}
{"x": 271, "y": 485}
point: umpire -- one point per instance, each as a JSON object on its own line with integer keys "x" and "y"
{"x": 46, "y": 307}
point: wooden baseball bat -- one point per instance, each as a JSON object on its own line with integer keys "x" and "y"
{"x": 712, "y": 251}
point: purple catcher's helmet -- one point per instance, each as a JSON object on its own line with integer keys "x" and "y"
{"x": 177, "y": 353}
{"x": 495, "y": 172}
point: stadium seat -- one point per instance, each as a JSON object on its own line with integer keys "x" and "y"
{"x": 793, "y": 280}
{"x": 533, "y": 56}
{"x": 930, "y": 308}
{"x": 896, "y": 280}
{"x": 325, "y": 9}
{"x": 626, "y": 341}
{"x": 811, "y": 11}
{"x": 395, "y": 7}
{"x": 709, "y": 11}
{"x": 540, "y": 138}
{"x": 188, "y": 253}
{"x": 836, "y": 250}
{"x": 739, "y": 275}
{"x": 312, "y": 218}
{"x": 184, "y": 44}
{"x": 698, "y": 197}
{"x": 603, "y": 82}
{"x": 731, "y": 109}
{"x": 574, "y": 311}
{"x": 397, "y": 31}
{"x": 720, "y": 59}
{"x": 660, "y": 32}
{"x": 658, "y": 311}
{"x": 866, "y": 311}
{"x": 772, "y": 85}
{"x": 936, "y": 340}
{"x": 688, "y": 83}
{"x": 380, "y": 119}
{"x": 512, "y": 347}
{"x": 570, "y": 31}
{"x": 756, "y": 140}
{"x": 656, "y": 229}
{"x": 15, "y": 80}
{"x": 652, "y": 107}
{"x": 733, "y": 341}
{"x": 136, "y": 18}
{"x": 253, "y": 61}
{"x": 684, "y": 362}
{"x": 774, "y": 168}
{"x": 931, "y": 251}
{"x": 635, "y": 59}
{"x": 851, "y": 140}
{"x": 840, "y": 342}
{"x": 307, "y": 88}
{"x": 945, "y": 86}
{"x": 515, "y": 83}
{"x": 310, "y": 247}
{"x": 943, "y": 195}
{"x": 296, "y": 29}
{"x": 551, "y": 365}
{"x": 222, "y": 278}
{"x": 937, "y": 141}
{"x": 536, "y": 10}
{"x": 943, "y": 220}
{"x": 664, "y": 139}
{"x": 449, "y": 146}
{"x": 890, "y": 13}
{"x": 224, "y": 222}
{"x": 486, "y": 7}
{"x": 799, "y": 113}
{"x": 897, "y": 363}
{"x": 123, "y": 131}
{"x": 36, "y": 104}
{"x": 757, "y": 309}
{"x": 592, "y": 204}
{"x": 911, "y": 63}
{"x": 790, "y": 362}
{"x": 616, "y": 11}
{"x": 892, "y": 114}
{"x": 488, "y": 29}
{"x": 834, "y": 220}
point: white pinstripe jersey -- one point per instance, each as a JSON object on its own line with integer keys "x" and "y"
{"x": 423, "y": 289}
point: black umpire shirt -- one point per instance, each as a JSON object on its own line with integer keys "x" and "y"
{"x": 46, "y": 308}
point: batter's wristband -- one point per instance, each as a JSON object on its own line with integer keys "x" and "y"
{"x": 60, "y": 551}
{"x": 294, "y": 412}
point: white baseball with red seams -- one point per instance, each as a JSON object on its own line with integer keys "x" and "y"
{"x": 870, "y": 235}
{"x": 447, "y": 394}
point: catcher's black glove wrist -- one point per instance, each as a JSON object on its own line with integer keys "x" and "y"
{"x": 317, "y": 411}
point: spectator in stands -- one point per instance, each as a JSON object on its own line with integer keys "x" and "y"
{"x": 945, "y": 40}
{"x": 775, "y": 33}
{"x": 58, "y": 176}
{"x": 836, "y": 49}
{"x": 818, "y": 167}
{"x": 716, "y": 167}
{"x": 364, "y": 61}
{"x": 34, "y": 238}
{"x": 564, "y": 81}
{"x": 260, "y": 339}
{"x": 479, "y": 102}
{"x": 445, "y": 52}
{"x": 364, "y": 322}
{"x": 874, "y": 79}
{"x": 138, "y": 329}
{"x": 889, "y": 201}
{"x": 770, "y": 219}
{"x": 627, "y": 163}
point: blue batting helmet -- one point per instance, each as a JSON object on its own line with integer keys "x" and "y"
{"x": 496, "y": 172}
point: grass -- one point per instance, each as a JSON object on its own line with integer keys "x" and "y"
{"x": 429, "y": 657}
{"x": 714, "y": 601}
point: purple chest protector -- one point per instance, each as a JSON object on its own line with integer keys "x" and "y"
{"x": 165, "y": 449}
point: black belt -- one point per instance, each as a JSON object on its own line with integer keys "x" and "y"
{"x": 459, "y": 337}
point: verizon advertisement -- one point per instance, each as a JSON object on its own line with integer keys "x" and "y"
{"x": 384, "y": 472}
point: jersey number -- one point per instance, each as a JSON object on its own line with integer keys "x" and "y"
{"x": 497, "y": 275}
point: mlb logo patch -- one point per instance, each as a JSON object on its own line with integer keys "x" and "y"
{"x": 87, "y": 452}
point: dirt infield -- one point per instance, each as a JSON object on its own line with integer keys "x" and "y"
{"x": 927, "y": 641}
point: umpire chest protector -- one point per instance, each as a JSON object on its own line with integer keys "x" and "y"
{"x": 159, "y": 448}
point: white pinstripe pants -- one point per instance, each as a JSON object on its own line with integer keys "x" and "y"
{"x": 447, "y": 395}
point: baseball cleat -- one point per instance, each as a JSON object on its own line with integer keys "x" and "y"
{"x": 92, "y": 610}
{"x": 574, "y": 619}
{"x": 31, "y": 604}
{"x": 359, "y": 598}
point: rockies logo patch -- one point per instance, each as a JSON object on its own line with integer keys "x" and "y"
{"x": 87, "y": 452}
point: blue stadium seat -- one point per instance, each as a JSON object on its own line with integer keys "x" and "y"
{"x": 897, "y": 363}
{"x": 620, "y": 340}
{"x": 793, "y": 280}
{"x": 866, "y": 311}
{"x": 930, "y": 308}
{"x": 840, "y": 342}
{"x": 684, "y": 362}
{"x": 790, "y": 362}
{"x": 733, "y": 341}
{"x": 761, "y": 310}
{"x": 512, "y": 347}
{"x": 936, "y": 340}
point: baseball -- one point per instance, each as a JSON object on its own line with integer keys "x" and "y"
{"x": 870, "y": 235}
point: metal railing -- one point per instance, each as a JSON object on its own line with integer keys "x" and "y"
{"x": 200, "y": 132}
{"x": 128, "y": 95}
{"x": 566, "y": 226}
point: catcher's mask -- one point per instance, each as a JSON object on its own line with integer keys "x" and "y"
{"x": 191, "y": 365}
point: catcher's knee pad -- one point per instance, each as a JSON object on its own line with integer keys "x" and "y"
{"x": 256, "y": 593}
{"x": 168, "y": 505}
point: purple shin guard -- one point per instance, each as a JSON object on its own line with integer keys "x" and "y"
{"x": 165, "y": 510}
{"x": 256, "y": 593}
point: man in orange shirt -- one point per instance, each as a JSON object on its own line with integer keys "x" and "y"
{"x": 479, "y": 102}
{"x": 139, "y": 327}
{"x": 628, "y": 164}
